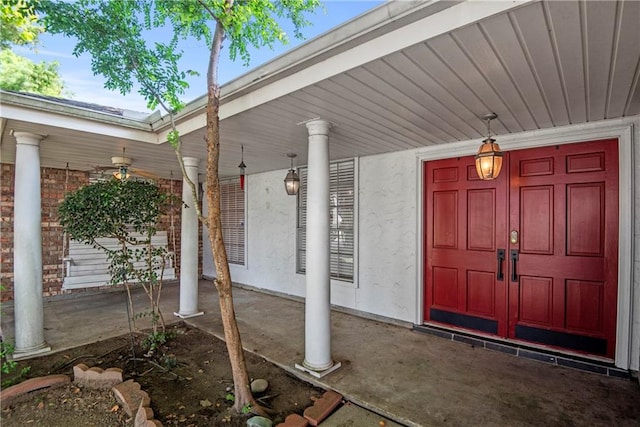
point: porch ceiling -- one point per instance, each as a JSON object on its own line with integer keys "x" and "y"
{"x": 537, "y": 65}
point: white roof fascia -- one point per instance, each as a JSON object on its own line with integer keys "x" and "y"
{"x": 456, "y": 16}
{"x": 84, "y": 124}
{"x": 34, "y": 102}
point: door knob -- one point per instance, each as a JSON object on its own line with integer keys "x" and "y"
{"x": 513, "y": 237}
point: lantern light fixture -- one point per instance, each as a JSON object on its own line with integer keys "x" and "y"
{"x": 292, "y": 181}
{"x": 489, "y": 157}
{"x": 122, "y": 164}
{"x": 242, "y": 167}
{"x": 121, "y": 174}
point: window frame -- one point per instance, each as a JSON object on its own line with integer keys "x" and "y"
{"x": 236, "y": 184}
{"x": 335, "y": 279}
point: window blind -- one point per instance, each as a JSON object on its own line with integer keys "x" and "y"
{"x": 232, "y": 217}
{"x": 341, "y": 219}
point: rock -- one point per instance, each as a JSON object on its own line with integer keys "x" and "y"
{"x": 294, "y": 420}
{"x": 8, "y": 395}
{"x": 259, "y": 386}
{"x": 322, "y": 407}
{"x": 95, "y": 377}
{"x": 130, "y": 396}
{"x": 259, "y": 421}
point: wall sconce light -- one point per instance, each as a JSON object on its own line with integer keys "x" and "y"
{"x": 292, "y": 181}
{"x": 489, "y": 157}
{"x": 242, "y": 167}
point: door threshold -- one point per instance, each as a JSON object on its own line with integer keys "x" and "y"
{"x": 519, "y": 349}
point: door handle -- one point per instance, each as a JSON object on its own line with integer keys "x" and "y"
{"x": 500, "y": 255}
{"x": 514, "y": 261}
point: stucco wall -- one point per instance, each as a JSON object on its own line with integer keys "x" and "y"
{"x": 270, "y": 237}
{"x": 388, "y": 237}
{"x": 386, "y": 274}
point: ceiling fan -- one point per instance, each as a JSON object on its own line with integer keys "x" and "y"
{"x": 121, "y": 167}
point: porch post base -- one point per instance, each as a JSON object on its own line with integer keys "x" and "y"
{"x": 318, "y": 374}
{"x": 188, "y": 315}
{"x": 28, "y": 354}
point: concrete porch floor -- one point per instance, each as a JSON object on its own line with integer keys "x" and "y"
{"x": 412, "y": 378}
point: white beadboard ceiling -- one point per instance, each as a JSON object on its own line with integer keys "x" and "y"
{"x": 539, "y": 65}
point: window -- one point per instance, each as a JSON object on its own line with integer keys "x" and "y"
{"x": 232, "y": 216}
{"x": 341, "y": 219}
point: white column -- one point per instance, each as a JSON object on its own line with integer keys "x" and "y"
{"x": 27, "y": 248}
{"x": 189, "y": 245}
{"x": 317, "y": 358}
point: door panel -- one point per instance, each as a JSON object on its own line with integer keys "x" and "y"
{"x": 481, "y": 233}
{"x": 585, "y": 219}
{"x": 536, "y": 300}
{"x": 560, "y": 207}
{"x": 463, "y": 225}
{"x": 445, "y": 287}
{"x": 445, "y": 214}
{"x": 536, "y": 228}
{"x": 585, "y": 304}
{"x": 481, "y": 293}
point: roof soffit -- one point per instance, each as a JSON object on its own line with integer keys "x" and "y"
{"x": 411, "y": 24}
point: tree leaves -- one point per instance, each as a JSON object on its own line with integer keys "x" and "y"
{"x": 18, "y": 23}
{"x": 174, "y": 138}
{"x": 23, "y": 75}
{"x": 114, "y": 209}
{"x": 113, "y": 33}
{"x": 19, "y": 26}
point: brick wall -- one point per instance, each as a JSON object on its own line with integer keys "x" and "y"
{"x": 6, "y": 230}
{"x": 175, "y": 188}
{"x": 171, "y": 222}
{"x": 53, "y": 185}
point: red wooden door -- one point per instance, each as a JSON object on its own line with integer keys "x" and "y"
{"x": 466, "y": 224}
{"x": 554, "y": 213}
{"x": 564, "y": 220}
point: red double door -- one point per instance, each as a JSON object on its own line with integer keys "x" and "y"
{"x": 532, "y": 255}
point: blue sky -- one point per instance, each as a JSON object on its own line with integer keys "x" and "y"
{"x": 84, "y": 86}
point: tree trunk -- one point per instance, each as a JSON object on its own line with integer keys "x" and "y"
{"x": 243, "y": 396}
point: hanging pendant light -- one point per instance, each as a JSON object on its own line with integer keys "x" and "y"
{"x": 121, "y": 174}
{"x": 292, "y": 182}
{"x": 489, "y": 157}
{"x": 242, "y": 167}
{"x": 122, "y": 163}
